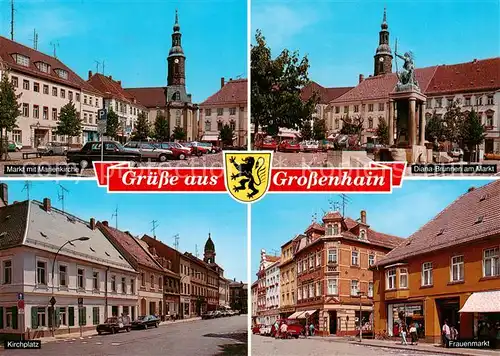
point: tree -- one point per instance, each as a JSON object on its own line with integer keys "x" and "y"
{"x": 352, "y": 126}
{"x": 161, "y": 128}
{"x": 226, "y": 135}
{"x": 142, "y": 128}
{"x": 306, "y": 131}
{"x": 9, "y": 111}
{"x": 434, "y": 129}
{"x": 112, "y": 124}
{"x": 472, "y": 132}
{"x": 453, "y": 121}
{"x": 276, "y": 87}
{"x": 383, "y": 132}
{"x": 69, "y": 124}
{"x": 179, "y": 133}
{"x": 319, "y": 129}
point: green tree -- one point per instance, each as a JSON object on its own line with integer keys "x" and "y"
{"x": 161, "y": 128}
{"x": 69, "y": 124}
{"x": 352, "y": 126}
{"x": 9, "y": 111}
{"x": 319, "y": 129}
{"x": 112, "y": 124}
{"x": 453, "y": 121}
{"x": 276, "y": 87}
{"x": 226, "y": 134}
{"x": 306, "y": 131}
{"x": 472, "y": 132}
{"x": 383, "y": 132}
{"x": 179, "y": 133}
{"x": 434, "y": 129}
{"x": 142, "y": 128}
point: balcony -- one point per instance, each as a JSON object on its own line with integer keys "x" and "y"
{"x": 397, "y": 294}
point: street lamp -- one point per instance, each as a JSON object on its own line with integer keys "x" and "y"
{"x": 53, "y": 300}
{"x": 360, "y": 295}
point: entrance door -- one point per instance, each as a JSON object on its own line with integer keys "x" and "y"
{"x": 333, "y": 322}
{"x": 488, "y": 146}
{"x": 40, "y": 137}
{"x": 448, "y": 310}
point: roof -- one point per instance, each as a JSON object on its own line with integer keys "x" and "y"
{"x": 111, "y": 89}
{"x": 8, "y": 48}
{"x": 375, "y": 237}
{"x": 325, "y": 94}
{"x": 151, "y": 97}
{"x": 472, "y": 216}
{"x": 209, "y": 245}
{"x": 234, "y": 92}
{"x": 13, "y": 220}
{"x": 131, "y": 246}
{"x": 332, "y": 215}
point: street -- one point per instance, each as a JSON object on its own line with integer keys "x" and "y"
{"x": 222, "y": 336}
{"x": 263, "y": 346}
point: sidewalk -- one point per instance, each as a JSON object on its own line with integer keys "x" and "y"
{"x": 423, "y": 347}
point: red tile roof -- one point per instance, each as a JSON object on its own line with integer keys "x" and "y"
{"x": 270, "y": 258}
{"x": 8, "y": 48}
{"x": 466, "y": 77}
{"x": 152, "y": 97}
{"x": 110, "y": 88}
{"x": 473, "y": 216}
{"x": 130, "y": 246}
{"x": 375, "y": 237}
{"x": 233, "y": 92}
{"x": 332, "y": 215}
{"x": 13, "y": 219}
{"x": 325, "y": 94}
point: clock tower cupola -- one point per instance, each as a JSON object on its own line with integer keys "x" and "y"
{"x": 176, "y": 58}
{"x": 383, "y": 55}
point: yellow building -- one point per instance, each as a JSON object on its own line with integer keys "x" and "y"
{"x": 288, "y": 279}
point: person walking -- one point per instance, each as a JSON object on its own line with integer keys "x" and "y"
{"x": 446, "y": 332}
{"x": 413, "y": 334}
{"x": 276, "y": 329}
{"x": 402, "y": 331}
{"x": 311, "y": 329}
{"x": 284, "y": 330}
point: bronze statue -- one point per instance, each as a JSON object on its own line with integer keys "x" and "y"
{"x": 407, "y": 75}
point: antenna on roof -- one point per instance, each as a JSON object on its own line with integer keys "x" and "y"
{"x": 103, "y": 67}
{"x": 35, "y": 39}
{"x": 275, "y": 252}
{"x": 61, "y": 194}
{"x": 55, "y": 45}
{"x": 345, "y": 201}
{"x": 239, "y": 76}
{"x": 155, "y": 225}
{"x": 115, "y": 215}
{"x": 12, "y": 20}
{"x": 176, "y": 242}
{"x": 27, "y": 187}
{"x": 97, "y": 63}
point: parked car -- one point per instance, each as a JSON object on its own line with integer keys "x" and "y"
{"x": 256, "y": 328}
{"x": 195, "y": 150}
{"x": 493, "y": 156}
{"x": 295, "y": 329}
{"x": 265, "y": 330}
{"x": 267, "y": 143}
{"x": 53, "y": 149}
{"x": 371, "y": 147}
{"x": 149, "y": 151}
{"x": 209, "y": 146}
{"x": 14, "y": 146}
{"x": 114, "y": 324}
{"x": 457, "y": 152}
{"x": 217, "y": 314}
{"x": 207, "y": 315}
{"x": 309, "y": 146}
{"x": 289, "y": 146}
{"x": 178, "y": 151}
{"x": 146, "y": 321}
{"x": 91, "y": 151}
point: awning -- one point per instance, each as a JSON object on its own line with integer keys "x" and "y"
{"x": 210, "y": 138}
{"x": 294, "y": 315}
{"x": 308, "y": 312}
{"x": 482, "y": 302}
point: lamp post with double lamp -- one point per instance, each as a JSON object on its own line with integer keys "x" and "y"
{"x": 360, "y": 295}
{"x": 53, "y": 299}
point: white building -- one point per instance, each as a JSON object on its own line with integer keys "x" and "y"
{"x": 31, "y": 233}
{"x": 267, "y": 289}
{"x": 254, "y": 299}
{"x": 273, "y": 292}
{"x": 46, "y": 85}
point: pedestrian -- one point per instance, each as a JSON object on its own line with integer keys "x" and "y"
{"x": 311, "y": 329}
{"x": 284, "y": 330}
{"x": 454, "y": 333}
{"x": 413, "y": 334}
{"x": 446, "y": 332}
{"x": 402, "y": 332}
{"x": 276, "y": 329}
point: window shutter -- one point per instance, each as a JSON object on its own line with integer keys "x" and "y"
{"x": 1, "y": 317}
{"x": 71, "y": 316}
{"x": 95, "y": 316}
{"x": 34, "y": 317}
{"x": 84, "y": 314}
{"x": 14, "y": 317}
{"x": 51, "y": 316}
{"x": 58, "y": 318}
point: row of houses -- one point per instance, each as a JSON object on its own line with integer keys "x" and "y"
{"x": 89, "y": 271}
{"x": 45, "y": 84}
{"x": 340, "y": 271}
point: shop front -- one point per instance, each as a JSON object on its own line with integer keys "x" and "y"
{"x": 285, "y": 312}
{"x": 185, "y": 311}
{"x": 405, "y": 314}
{"x": 172, "y": 305}
{"x": 90, "y": 134}
{"x": 483, "y": 309}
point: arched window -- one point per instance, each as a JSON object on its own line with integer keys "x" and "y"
{"x": 208, "y": 125}
{"x": 176, "y": 96}
{"x": 219, "y": 125}
{"x": 232, "y": 124}
{"x": 370, "y": 123}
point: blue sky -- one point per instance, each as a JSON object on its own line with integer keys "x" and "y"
{"x": 133, "y": 37}
{"x": 340, "y": 37}
{"x": 191, "y": 216}
{"x": 278, "y": 218}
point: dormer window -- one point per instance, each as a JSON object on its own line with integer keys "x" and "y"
{"x": 43, "y": 67}
{"x": 336, "y": 229}
{"x": 62, "y": 73}
{"x": 21, "y": 60}
{"x": 362, "y": 234}
{"x": 329, "y": 230}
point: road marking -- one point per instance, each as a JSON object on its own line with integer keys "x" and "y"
{"x": 84, "y": 342}
{"x": 115, "y": 344}
{"x": 98, "y": 343}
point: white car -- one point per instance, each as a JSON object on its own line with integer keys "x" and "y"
{"x": 309, "y": 146}
{"x": 457, "y": 153}
{"x": 149, "y": 151}
{"x": 265, "y": 330}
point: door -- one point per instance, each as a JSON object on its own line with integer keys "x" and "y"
{"x": 333, "y": 322}
{"x": 448, "y": 310}
{"x": 488, "y": 146}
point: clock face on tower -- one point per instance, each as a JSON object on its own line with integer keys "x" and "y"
{"x": 176, "y": 60}
{"x": 381, "y": 59}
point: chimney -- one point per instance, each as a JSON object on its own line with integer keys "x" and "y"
{"x": 120, "y": 83}
{"x": 234, "y": 279}
{"x": 92, "y": 223}
{"x": 4, "y": 193}
{"x": 361, "y": 78}
{"x": 363, "y": 216}
{"x": 470, "y": 189}
{"x": 222, "y": 82}
{"x": 230, "y": 79}
{"x": 46, "y": 204}
{"x": 105, "y": 223}
{"x": 90, "y": 74}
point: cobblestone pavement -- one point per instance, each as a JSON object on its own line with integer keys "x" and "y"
{"x": 200, "y": 338}
{"x": 264, "y": 346}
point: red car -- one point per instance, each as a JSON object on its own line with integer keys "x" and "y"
{"x": 268, "y": 144}
{"x": 295, "y": 329}
{"x": 256, "y": 328}
{"x": 195, "y": 150}
{"x": 178, "y": 151}
{"x": 289, "y": 146}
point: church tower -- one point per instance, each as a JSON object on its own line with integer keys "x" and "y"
{"x": 176, "y": 58}
{"x": 383, "y": 55}
{"x": 209, "y": 254}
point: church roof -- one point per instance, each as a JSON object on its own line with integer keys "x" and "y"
{"x": 209, "y": 245}
{"x": 325, "y": 94}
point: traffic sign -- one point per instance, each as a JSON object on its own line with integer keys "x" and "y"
{"x": 20, "y": 296}
{"x": 102, "y": 114}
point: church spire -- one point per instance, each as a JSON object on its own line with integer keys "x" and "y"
{"x": 383, "y": 55}
{"x": 176, "y": 58}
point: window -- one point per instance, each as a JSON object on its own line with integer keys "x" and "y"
{"x": 391, "y": 279}
{"x": 91, "y": 119}
{"x": 15, "y": 82}
{"x": 70, "y": 95}
{"x": 90, "y": 100}
{"x": 354, "y": 288}
{"x": 370, "y": 107}
{"x": 22, "y": 60}
{"x": 467, "y": 101}
{"x": 41, "y": 270}
{"x": 381, "y": 107}
{"x": 232, "y": 111}
{"x": 207, "y": 125}
{"x": 54, "y": 91}
{"x": 46, "y": 89}
{"x": 370, "y": 123}
{"x": 124, "y": 285}
{"x": 491, "y": 101}
{"x": 36, "y": 111}
{"x": 43, "y": 67}
{"x": 77, "y": 96}
{"x": 356, "y": 108}
{"x": 371, "y": 260}
{"x": 318, "y": 289}
{"x": 354, "y": 258}
{"x": 113, "y": 284}
{"x": 152, "y": 281}
{"x": 41, "y": 317}
{"x": 81, "y": 278}
{"x": 36, "y": 87}
{"x": 132, "y": 286}
{"x": 427, "y": 274}
{"x": 332, "y": 256}
{"x": 346, "y": 109}
{"x": 489, "y": 120}
{"x": 160, "y": 283}
{"x": 62, "y": 73}
{"x": 54, "y": 114}
{"x": 299, "y": 267}
{"x": 449, "y": 101}
{"x": 332, "y": 287}
{"x": 16, "y": 135}
{"x": 63, "y": 276}
{"x": 428, "y": 104}
{"x": 318, "y": 258}
{"x": 62, "y": 316}
{"x": 491, "y": 263}
{"x": 403, "y": 278}
{"x": 329, "y": 230}
{"x": 208, "y": 112}
{"x": 232, "y": 125}
{"x": 370, "y": 289}
{"x": 311, "y": 291}
{"x": 362, "y": 234}
{"x": 299, "y": 293}
{"x": 95, "y": 315}
{"x": 479, "y": 100}
{"x": 439, "y": 102}
{"x": 95, "y": 280}
{"x": 220, "y": 111}
{"x": 337, "y": 124}
{"x": 457, "y": 268}
{"x": 26, "y": 84}
{"x": 85, "y": 117}
{"x": 311, "y": 261}
{"x": 7, "y": 272}
{"x": 45, "y": 113}
{"x": 63, "y": 93}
